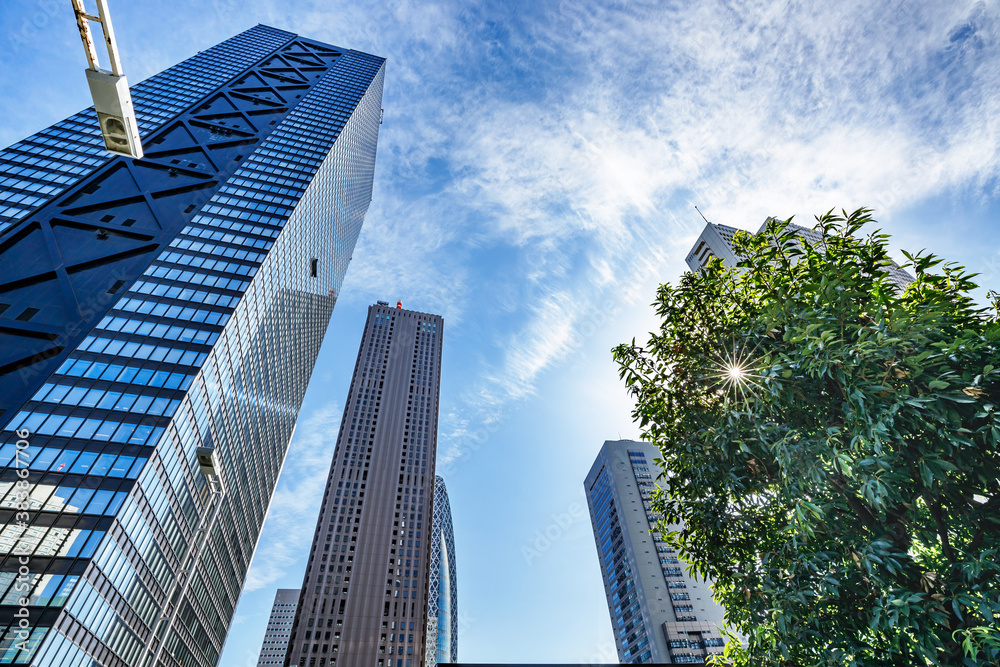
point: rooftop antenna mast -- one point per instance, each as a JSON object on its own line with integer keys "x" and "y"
{"x": 701, "y": 214}
{"x": 109, "y": 88}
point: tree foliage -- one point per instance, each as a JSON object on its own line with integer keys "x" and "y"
{"x": 830, "y": 447}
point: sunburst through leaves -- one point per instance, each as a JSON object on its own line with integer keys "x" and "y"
{"x": 736, "y": 371}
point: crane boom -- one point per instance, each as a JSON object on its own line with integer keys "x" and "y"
{"x": 109, "y": 88}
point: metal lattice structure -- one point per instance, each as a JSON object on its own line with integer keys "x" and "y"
{"x": 157, "y": 309}
{"x": 442, "y": 600}
{"x": 64, "y": 265}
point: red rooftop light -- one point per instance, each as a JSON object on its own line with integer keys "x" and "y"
{"x": 399, "y": 304}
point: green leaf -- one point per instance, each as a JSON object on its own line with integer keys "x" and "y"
{"x": 813, "y": 494}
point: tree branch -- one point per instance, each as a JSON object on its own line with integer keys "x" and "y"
{"x": 942, "y": 530}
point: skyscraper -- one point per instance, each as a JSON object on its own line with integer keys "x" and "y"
{"x": 279, "y": 627}
{"x": 717, "y": 241}
{"x": 364, "y": 594}
{"x": 149, "y": 308}
{"x": 659, "y": 614}
{"x": 442, "y": 598}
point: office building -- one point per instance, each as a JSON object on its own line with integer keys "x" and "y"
{"x": 442, "y": 598}
{"x": 364, "y": 594}
{"x": 659, "y": 614}
{"x": 152, "y": 307}
{"x": 717, "y": 241}
{"x": 279, "y": 627}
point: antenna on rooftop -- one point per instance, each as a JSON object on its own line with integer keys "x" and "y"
{"x": 701, "y": 214}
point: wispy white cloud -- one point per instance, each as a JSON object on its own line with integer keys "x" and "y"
{"x": 539, "y": 161}
{"x": 749, "y": 110}
{"x": 547, "y": 336}
{"x": 568, "y": 141}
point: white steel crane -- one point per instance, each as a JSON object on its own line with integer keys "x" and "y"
{"x": 109, "y": 88}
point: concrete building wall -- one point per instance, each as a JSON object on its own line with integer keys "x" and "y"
{"x": 659, "y": 614}
{"x": 364, "y": 595}
{"x": 279, "y": 627}
{"x": 717, "y": 241}
{"x": 714, "y": 241}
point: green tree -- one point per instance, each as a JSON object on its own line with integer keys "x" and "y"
{"x": 830, "y": 444}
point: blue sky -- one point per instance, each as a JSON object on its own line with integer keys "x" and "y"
{"x": 536, "y": 176}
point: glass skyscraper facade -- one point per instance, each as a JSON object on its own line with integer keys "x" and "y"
{"x": 365, "y": 590}
{"x": 442, "y": 598}
{"x": 151, "y": 307}
{"x": 659, "y": 613}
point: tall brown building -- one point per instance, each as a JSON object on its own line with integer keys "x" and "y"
{"x": 364, "y": 595}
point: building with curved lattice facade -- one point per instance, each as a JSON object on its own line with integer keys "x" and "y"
{"x": 442, "y": 599}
